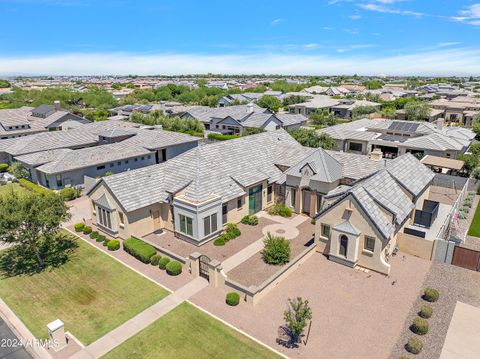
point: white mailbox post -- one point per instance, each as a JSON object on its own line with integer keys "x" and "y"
{"x": 56, "y": 333}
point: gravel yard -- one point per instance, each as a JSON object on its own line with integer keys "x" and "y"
{"x": 454, "y": 284}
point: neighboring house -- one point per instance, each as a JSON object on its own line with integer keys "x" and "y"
{"x": 459, "y": 110}
{"x": 25, "y": 120}
{"x": 235, "y": 119}
{"x": 239, "y": 98}
{"x": 338, "y": 107}
{"x": 360, "y": 224}
{"x": 395, "y": 138}
{"x": 170, "y": 108}
{"x": 55, "y": 160}
{"x": 195, "y": 194}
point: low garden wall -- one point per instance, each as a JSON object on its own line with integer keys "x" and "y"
{"x": 419, "y": 247}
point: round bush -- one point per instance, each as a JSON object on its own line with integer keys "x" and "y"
{"x": 431, "y": 295}
{"x": 79, "y": 227}
{"x": 414, "y": 345}
{"x": 276, "y": 250}
{"x": 100, "y": 238}
{"x": 155, "y": 259}
{"x": 219, "y": 242}
{"x": 87, "y": 230}
{"x": 3, "y": 167}
{"x": 426, "y": 311}
{"x": 174, "y": 268}
{"x": 105, "y": 242}
{"x": 232, "y": 299}
{"x": 162, "y": 263}
{"x": 94, "y": 235}
{"x": 113, "y": 245}
{"x": 419, "y": 326}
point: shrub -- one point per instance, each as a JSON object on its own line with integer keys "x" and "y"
{"x": 101, "y": 238}
{"x": 251, "y": 220}
{"x": 280, "y": 209}
{"x": 425, "y": 312}
{"x": 431, "y": 295}
{"x": 69, "y": 193}
{"x": 33, "y": 187}
{"x": 232, "y": 299}
{"x": 162, "y": 263}
{"x": 232, "y": 230}
{"x": 113, "y": 245}
{"x": 419, "y": 326}
{"x": 79, "y": 227}
{"x": 155, "y": 259}
{"x": 105, "y": 242}
{"x": 174, "y": 268}
{"x": 3, "y": 167}
{"x": 139, "y": 249}
{"x": 220, "y": 137}
{"x": 414, "y": 345}
{"x": 93, "y": 235}
{"x": 220, "y": 241}
{"x": 276, "y": 250}
{"x": 87, "y": 230}
{"x": 313, "y": 221}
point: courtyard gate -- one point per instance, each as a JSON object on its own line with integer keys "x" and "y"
{"x": 204, "y": 267}
{"x": 466, "y": 258}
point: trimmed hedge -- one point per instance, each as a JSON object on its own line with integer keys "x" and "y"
{"x": 251, "y": 220}
{"x": 79, "y": 227}
{"x": 220, "y": 241}
{"x": 155, "y": 259}
{"x": 33, "y": 187}
{"x": 87, "y": 230}
{"x": 69, "y": 193}
{"x": 232, "y": 299}
{"x": 162, "y": 264}
{"x": 220, "y": 137}
{"x": 94, "y": 235}
{"x": 101, "y": 238}
{"x": 3, "y": 167}
{"x": 113, "y": 245}
{"x": 414, "y": 345}
{"x": 419, "y": 326}
{"x": 431, "y": 295}
{"x": 139, "y": 249}
{"x": 280, "y": 209}
{"x": 174, "y": 268}
{"x": 425, "y": 312}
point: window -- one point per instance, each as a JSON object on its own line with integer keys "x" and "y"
{"x": 224, "y": 212}
{"x": 319, "y": 202}
{"x": 100, "y": 168}
{"x": 369, "y": 244}
{"x": 357, "y": 147}
{"x": 112, "y": 164}
{"x": 269, "y": 193}
{"x": 142, "y": 158}
{"x": 104, "y": 217}
{"x": 292, "y": 199}
{"x": 325, "y": 231}
{"x": 186, "y": 225}
{"x": 210, "y": 224}
{"x": 239, "y": 202}
{"x": 59, "y": 180}
{"x": 281, "y": 190}
{"x": 126, "y": 162}
{"x": 119, "y": 163}
{"x": 136, "y": 159}
{"x": 120, "y": 217}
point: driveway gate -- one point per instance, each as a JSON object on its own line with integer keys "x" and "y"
{"x": 466, "y": 258}
{"x": 204, "y": 268}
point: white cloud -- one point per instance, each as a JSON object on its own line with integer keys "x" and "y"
{"x": 469, "y": 15}
{"x": 311, "y": 46}
{"x": 355, "y": 17}
{"x": 448, "y": 44}
{"x": 277, "y": 21}
{"x": 442, "y": 62}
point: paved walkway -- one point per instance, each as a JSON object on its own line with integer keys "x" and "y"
{"x": 140, "y": 321}
{"x": 286, "y": 227}
{"x": 11, "y": 349}
{"x": 462, "y": 341}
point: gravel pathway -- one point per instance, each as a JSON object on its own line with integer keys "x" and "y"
{"x": 454, "y": 284}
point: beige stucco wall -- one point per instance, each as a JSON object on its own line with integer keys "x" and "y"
{"x": 338, "y": 214}
{"x": 415, "y": 246}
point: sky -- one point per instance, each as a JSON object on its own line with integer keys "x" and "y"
{"x": 323, "y": 37}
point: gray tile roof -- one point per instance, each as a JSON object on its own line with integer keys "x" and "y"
{"x": 206, "y": 114}
{"x": 347, "y": 227}
{"x": 325, "y": 167}
{"x": 40, "y": 158}
{"x": 356, "y": 166}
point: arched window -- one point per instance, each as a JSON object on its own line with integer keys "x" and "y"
{"x": 343, "y": 245}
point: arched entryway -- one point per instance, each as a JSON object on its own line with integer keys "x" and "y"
{"x": 343, "y": 245}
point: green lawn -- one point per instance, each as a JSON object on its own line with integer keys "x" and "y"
{"x": 92, "y": 294}
{"x": 474, "y": 229}
{"x": 187, "y": 332}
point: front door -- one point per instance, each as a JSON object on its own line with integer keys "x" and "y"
{"x": 306, "y": 202}
{"x": 255, "y": 199}
{"x": 343, "y": 245}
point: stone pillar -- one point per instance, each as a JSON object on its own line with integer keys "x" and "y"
{"x": 193, "y": 263}
{"x": 56, "y": 334}
{"x": 217, "y": 278}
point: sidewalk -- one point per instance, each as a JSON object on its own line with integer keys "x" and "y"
{"x": 140, "y": 321}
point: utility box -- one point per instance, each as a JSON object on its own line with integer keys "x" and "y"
{"x": 56, "y": 334}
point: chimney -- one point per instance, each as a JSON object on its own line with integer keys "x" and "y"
{"x": 250, "y": 107}
{"x": 376, "y": 154}
{"x": 440, "y": 124}
{"x": 56, "y": 105}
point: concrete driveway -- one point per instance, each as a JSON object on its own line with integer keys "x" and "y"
{"x": 79, "y": 209}
{"x": 356, "y": 314}
{"x": 9, "y": 348}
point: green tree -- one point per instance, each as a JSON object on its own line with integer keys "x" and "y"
{"x": 4, "y": 84}
{"x": 31, "y": 221}
{"x": 373, "y": 84}
{"x": 389, "y": 112}
{"x": 471, "y": 161}
{"x": 362, "y": 111}
{"x": 417, "y": 111}
{"x": 296, "y": 317}
{"x": 293, "y": 99}
{"x": 322, "y": 117}
{"x": 18, "y": 170}
{"x": 310, "y": 138}
{"x": 270, "y": 102}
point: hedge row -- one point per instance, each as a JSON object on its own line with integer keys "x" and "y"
{"x": 220, "y": 137}
{"x": 33, "y": 187}
{"x": 139, "y": 249}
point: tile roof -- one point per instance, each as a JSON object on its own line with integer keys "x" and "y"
{"x": 325, "y": 167}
